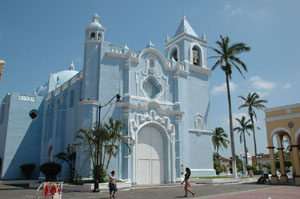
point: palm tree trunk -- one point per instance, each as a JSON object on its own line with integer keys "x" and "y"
{"x": 254, "y": 139}
{"x": 109, "y": 157}
{"x": 245, "y": 149}
{"x": 233, "y": 164}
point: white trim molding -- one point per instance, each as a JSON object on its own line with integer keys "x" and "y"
{"x": 88, "y": 102}
{"x": 168, "y": 131}
{"x": 199, "y": 170}
{"x": 282, "y": 107}
{"x": 282, "y": 117}
{"x": 204, "y": 132}
{"x": 185, "y": 36}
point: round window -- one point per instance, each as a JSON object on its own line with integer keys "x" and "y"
{"x": 33, "y": 114}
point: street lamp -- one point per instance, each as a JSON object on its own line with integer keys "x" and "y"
{"x": 96, "y": 183}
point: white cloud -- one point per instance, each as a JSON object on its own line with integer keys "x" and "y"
{"x": 287, "y": 85}
{"x": 229, "y": 10}
{"x": 258, "y": 83}
{"x": 244, "y": 10}
{"x": 222, "y": 88}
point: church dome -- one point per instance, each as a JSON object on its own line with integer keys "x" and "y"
{"x": 63, "y": 76}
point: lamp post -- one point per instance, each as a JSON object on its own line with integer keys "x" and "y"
{"x": 96, "y": 183}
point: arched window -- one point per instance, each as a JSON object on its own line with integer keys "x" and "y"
{"x": 151, "y": 63}
{"x": 196, "y": 53}
{"x": 71, "y": 98}
{"x": 92, "y": 36}
{"x": 174, "y": 55}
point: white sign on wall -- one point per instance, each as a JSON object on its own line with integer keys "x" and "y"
{"x": 26, "y": 98}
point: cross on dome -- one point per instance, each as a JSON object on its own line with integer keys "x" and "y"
{"x": 72, "y": 67}
{"x": 95, "y": 21}
{"x": 95, "y": 18}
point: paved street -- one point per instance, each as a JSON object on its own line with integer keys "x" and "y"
{"x": 224, "y": 191}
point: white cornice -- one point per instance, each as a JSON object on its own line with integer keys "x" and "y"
{"x": 282, "y": 117}
{"x": 282, "y": 107}
{"x": 200, "y": 69}
{"x": 97, "y": 28}
{"x": 148, "y": 100}
{"x": 185, "y": 36}
{"x": 92, "y": 41}
{"x": 126, "y": 55}
{"x": 88, "y": 102}
{"x": 199, "y": 170}
{"x": 138, "y": 106}
{"x": 201, "y": 131}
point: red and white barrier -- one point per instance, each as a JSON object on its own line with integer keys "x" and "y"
{"x": 51, "y": 190}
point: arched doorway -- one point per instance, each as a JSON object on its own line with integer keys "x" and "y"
{"x": 150, "y": 156}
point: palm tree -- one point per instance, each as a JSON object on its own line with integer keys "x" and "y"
{"x": 219, "y": 139}
{"x": 114, "y": 136}
{"x": 253, "y": 102}
{"x": 69, "y": 158}
{"x": 102, "y": 141}
{"x": 242, "y": 129}
{"x": 227, "y": 58}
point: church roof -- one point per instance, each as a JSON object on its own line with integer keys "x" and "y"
{"x": 185, "y": 27}
{"x": 63, "y": 76}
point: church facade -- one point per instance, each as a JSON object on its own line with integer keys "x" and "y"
{"x": 165, "y": 104}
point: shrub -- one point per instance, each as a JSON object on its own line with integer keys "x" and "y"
{"x": 27, "y": 169}
{"x": 78, "y": 179}
{"x": 217, "y": 163}
{"x": 101, "y": 174}
{"x": 50, "y": 170}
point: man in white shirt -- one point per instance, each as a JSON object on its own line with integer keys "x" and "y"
{"x": 265, "y": 171}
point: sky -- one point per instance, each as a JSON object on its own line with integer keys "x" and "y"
{"x": 42, "y": 37}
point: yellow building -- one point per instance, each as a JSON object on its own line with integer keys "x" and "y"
{"x": 283, "y": 122}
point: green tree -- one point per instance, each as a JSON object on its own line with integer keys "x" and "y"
{"x": 226, "y": 59}
{"x": 69, "y": 158}
{"x": 217, "y": 163}
{"x": 239, "y": 163}
{"x": 111, "y": 145}
{"x": 242, "y": 129}
{"x": 253, "y": 102}
{"x": 219, "y": 139}
{"x": 103, "y": 142}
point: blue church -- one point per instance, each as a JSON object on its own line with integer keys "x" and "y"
{"x": 165, "y": 104}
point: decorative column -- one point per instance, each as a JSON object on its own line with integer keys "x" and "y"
{"x": 283, "y": 177}
{"x": 274, "y": 178}
{"x": 293, "y": 163}
{"x": 296, "y": 165}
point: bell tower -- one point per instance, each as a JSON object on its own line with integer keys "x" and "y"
{"x": 186, "y": 46}
{"x": 94, "y": 35}
{"x": 95, "y": 31}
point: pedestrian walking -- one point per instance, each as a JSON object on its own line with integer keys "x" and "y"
{"x": 112, "y": 185}
{"x": 187, "y": 181}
